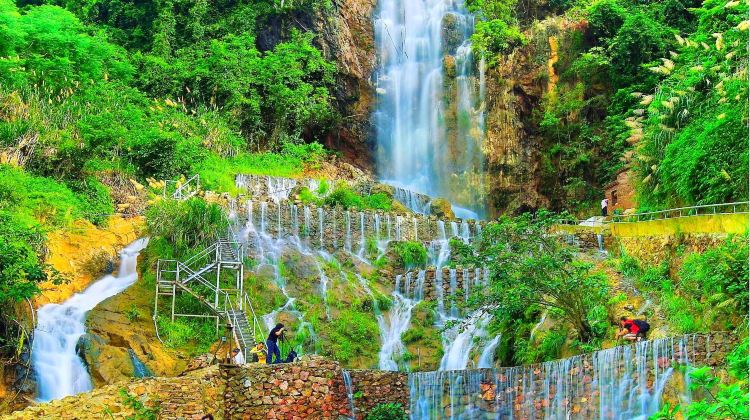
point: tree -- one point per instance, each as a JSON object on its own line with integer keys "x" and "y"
{"x": 530, "y": 267}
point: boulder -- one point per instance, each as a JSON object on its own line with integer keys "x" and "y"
{"x": 452, "y": 33}
{"x": 441, "y": 207}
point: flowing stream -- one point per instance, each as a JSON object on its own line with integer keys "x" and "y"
{"x": 57, "y": 365}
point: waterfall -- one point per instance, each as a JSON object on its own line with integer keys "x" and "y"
{"x": 429, "y": 116}
{"x": 622, "y": 383}
{"x": 460, "y": 340}
{"x": 399, "y": 318}
{"x": 58, "y": 368}
{"x": 487, "y": 358}
{"x": 139, "y": 369}
{"x": 349, "y": 392}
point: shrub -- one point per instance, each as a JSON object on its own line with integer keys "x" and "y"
{"x": 411, "y": 254}
{"x": 387, "y": 411}
{"x": 186, "y": 224}
{"x": 605, "y": 19}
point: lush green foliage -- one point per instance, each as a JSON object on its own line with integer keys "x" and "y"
{"x": 52, "y": 202}
{"x": 717, "y": 400}
{"x": 351, "y": 335}
{"x": 659, "y": 87}
{"x": 75, "y": 103}
{"x": 218, "y": 173}
{"x": 387, "y": 411}
{"x": 528, "y": 267}
{"x": 186, "y": 224}
{"x": 704, "y": 291}
{"x": 410, "y": 254}
{"x": 497, "y": 31}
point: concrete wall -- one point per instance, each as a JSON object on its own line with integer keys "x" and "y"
{"x": 715, "y": 223}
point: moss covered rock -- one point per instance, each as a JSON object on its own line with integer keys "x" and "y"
{"x": 441, "y": 207}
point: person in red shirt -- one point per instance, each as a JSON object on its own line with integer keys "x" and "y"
{"x": 632, "y": 330}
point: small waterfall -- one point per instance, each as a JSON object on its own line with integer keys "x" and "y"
{"x": 414, "y": 201}
{"x": 321, "y": 215}
{"x": 459, "y": 342}
{"x": 487, "y": 358}
{"x": 348, "y": 237}
{"x": 58, "y": 368}
{"x": 623, "y": 383}
{"x": 399, "y": 318}
{"x": 453, "y": 286}
{"x": 139, "y": 369}
{"x": 349, "y": 392}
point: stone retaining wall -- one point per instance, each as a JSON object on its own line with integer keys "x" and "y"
{"x": 592, "y": 385}
{"x": 432, "y": 284}
{"x": 279, "y": 188}
{"x": 184, "y": 397}
{"x": 585, "y": 386}
{"x": 372, "y": 387}
{"x": 333, "y": 228}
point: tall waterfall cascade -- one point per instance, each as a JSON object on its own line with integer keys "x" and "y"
{"x": 57, "y": 366}
{"x": 430, "y": 109}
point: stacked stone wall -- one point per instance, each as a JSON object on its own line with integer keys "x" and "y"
{"x": 334, "y": 228}
{"x": 191, "y": 396}
{"x": 371, "y": 388}
{"x": 314, "y": 387}
{"x": 451, "y": 280}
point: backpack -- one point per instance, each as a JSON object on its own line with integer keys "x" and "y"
{"x": 290, "y": 357}
{"x": 643, "y": 326}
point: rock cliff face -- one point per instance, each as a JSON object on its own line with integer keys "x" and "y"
{"x": 515, "y": 88}
{"x": 347, "y": 36}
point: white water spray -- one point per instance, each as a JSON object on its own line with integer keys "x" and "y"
{"x": 58, "y": 368}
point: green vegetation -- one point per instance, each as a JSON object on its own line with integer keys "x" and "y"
{"x": 699, "y": 292}
{"x": 350, "y": 335}
{"x": 718, "y": 400}
{"x": 532, "y": 268}
{"x": 658, "y": 87}
{"x": 387, "y": 411}
{"x": 410, "y": 254}
{"x": 186, "y": 224}
{"x": 140, "y": 410}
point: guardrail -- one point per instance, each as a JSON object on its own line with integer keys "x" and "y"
{"x": 741, "y": 207}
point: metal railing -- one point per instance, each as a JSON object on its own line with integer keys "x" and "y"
{"x": 740, "y": 207}
{"x": 183, "y": 190}
{"x": 257, "y": 326}
{"x": 703, "y": 210}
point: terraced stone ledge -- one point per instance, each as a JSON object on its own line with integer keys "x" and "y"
{"x": 337, "y": 228}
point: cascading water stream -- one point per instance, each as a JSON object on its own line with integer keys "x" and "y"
{"x": 624, "y": 382}
{"x": 58, "y": 368}
{"x": 430, "y": 122}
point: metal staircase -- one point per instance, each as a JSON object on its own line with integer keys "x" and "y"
{"x": 222, "y": 295}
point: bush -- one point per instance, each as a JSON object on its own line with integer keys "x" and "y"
{"x": 186, "y": 224}
{"x": 387, "y": 411}
{"x": 411, "y": 254}
{"x": 605, "y": 19}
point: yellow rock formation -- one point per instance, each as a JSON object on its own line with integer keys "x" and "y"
{"x": 82, "y": 251}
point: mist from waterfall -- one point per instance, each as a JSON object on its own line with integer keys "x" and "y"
{"x": 429, "y": 117}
